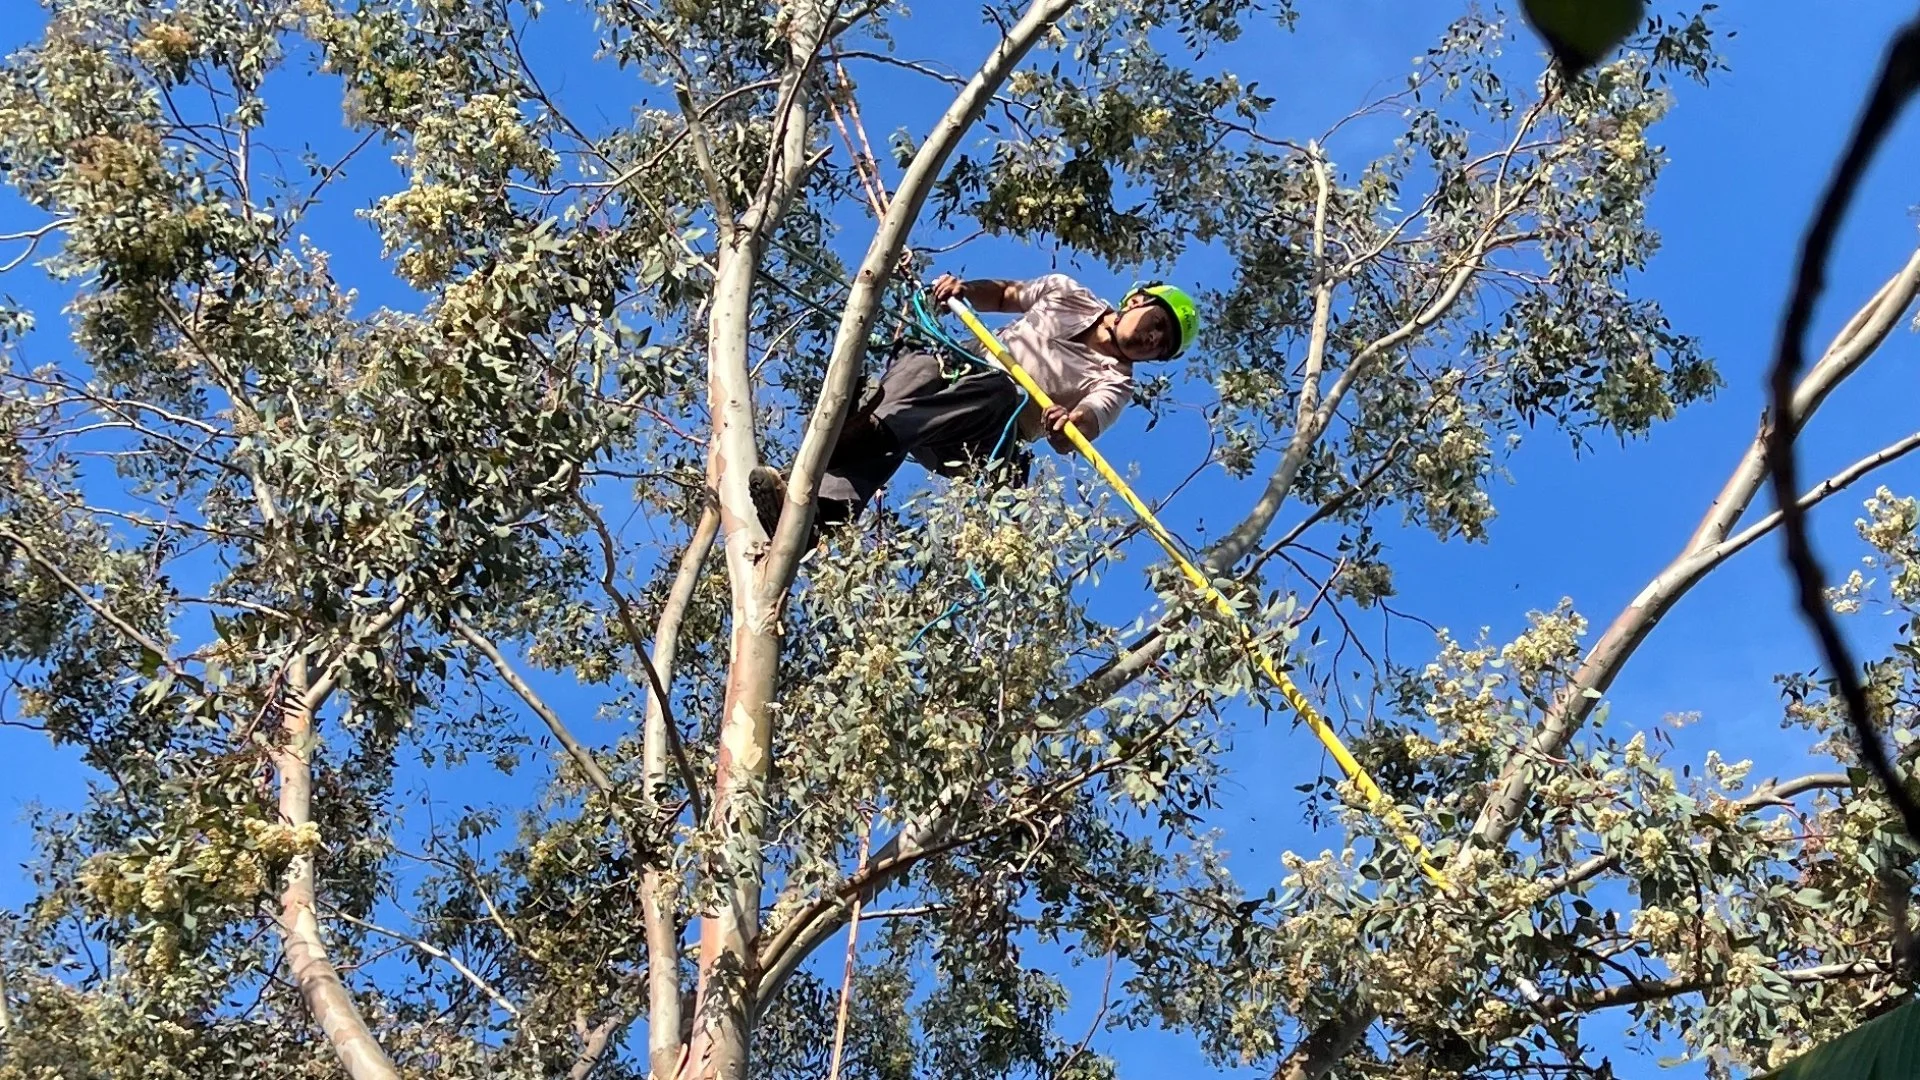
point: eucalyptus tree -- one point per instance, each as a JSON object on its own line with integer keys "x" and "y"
{"x": 273, "y": 554}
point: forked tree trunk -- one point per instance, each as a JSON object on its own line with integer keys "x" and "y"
{"x": 760, "y": 568}
{"x": 306, "y": 953}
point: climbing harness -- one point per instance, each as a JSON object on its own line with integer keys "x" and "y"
{"x": 936, "y": 334}
{"x": 921, "y": 330}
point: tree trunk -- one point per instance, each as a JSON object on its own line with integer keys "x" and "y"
{"x": 660, "y": 889}
{"x": 762, "y": 572}
{"x": 319, "y": 981}
{"x": 722, "y": 1028}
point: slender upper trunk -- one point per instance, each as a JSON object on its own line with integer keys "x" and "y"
{"x": 306, "y": 954}
{"x": 722, "y": 1011}
{"x": 660, "y": 890}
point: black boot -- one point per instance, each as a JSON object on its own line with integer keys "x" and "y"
{"x": 768, "y": 486}
{"x": 769, "y": 491}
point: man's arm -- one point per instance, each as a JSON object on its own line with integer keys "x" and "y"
{"x": 1095, "y": 413}
{"x": 981, "y": 294}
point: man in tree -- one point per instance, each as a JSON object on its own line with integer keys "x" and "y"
{"x": 1080, "y": 349}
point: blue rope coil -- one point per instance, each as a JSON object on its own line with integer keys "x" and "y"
{"x": 925, "y": 323}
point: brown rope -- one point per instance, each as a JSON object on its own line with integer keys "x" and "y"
{"x": 846, "y": 976}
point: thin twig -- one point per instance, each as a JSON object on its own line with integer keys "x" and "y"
{"x": 105, "y": 614}
{"x": 624, "y": 607}
{"x": 1898, "y": 81}
{"x": 853, "y": 951}
{"x": 581, "y": 756}
{"x": 1106, "y": 1002}
{"x": 33, "y": 238}
{"x": 437, "y": 953}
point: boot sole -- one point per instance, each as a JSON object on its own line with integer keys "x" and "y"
{"x": 769, "y": 491}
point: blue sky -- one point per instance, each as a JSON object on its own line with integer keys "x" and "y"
{"x": 1749, "y": 154}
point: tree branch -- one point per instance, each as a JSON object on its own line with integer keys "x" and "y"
{"x": 592, "y": 1048}
{"x": 1645, "y": 990}
{"x": 1832, "y": 485}
{"x": 1771, "y": 793}
{"x": 1321, "y": 1050}
{"x": 33, "y": 238}
{"x": 1579, "y": 873}
{"x": 1774, "y": 793}
{"x": 1242, "y": 539}
{"x": 660, "y": 889}
{"x": 100, "y": 610}
{"x": 1323, "y": 283}
{"x": 1898, "y": 81}
{"x": 1851, "y": 348}
{"x": 916, "y": 842}
{"x": 846, "y": 22}
{"x": 696, "y": 127}
{"x": 564, "y": 737}
{"x": 437, "y": 953}
{"x": 1624, "y": 635}
{"x": 658, "y": 697}
{"x": 323, "y": 687}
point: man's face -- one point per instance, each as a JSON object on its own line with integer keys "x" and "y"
{"x": 1147, "y": 330}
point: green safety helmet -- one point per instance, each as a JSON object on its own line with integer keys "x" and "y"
{"x": 1178, "y": 303}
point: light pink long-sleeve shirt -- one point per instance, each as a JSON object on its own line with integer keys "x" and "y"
{"x": 1054, "y": 308}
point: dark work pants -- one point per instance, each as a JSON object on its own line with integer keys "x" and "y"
{"x": 947, "y": 425}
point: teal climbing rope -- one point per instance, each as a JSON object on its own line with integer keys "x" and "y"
{"x": 979, "y": 584}
{"x": 927, "y": 325}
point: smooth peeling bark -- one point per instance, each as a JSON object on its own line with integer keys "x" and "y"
{"x": 723, "y": 1006}
{"x": 325, "y": 995}
{"x": 660, "y": 889}
{"x": 722, "y": 1028}
{"x": 719, "y": 1033}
